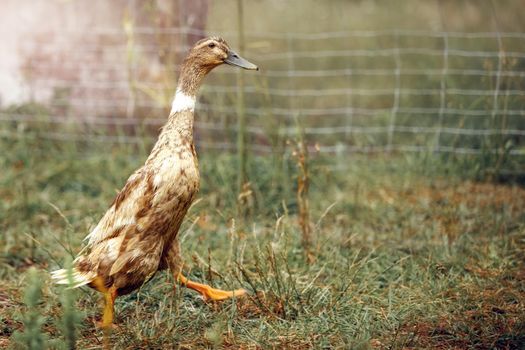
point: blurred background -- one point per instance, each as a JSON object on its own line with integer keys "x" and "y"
{"x": 366, "y": 185}
{"x": 442, "y": 78}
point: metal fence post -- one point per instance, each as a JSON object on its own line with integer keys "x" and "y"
{"x": 241, "y": 115}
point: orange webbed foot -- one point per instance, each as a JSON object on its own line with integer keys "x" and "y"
{"x": 100, "y": 325}
{"x": 209, "y": 293}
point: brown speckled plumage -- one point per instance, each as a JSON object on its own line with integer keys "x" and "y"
{"x": 137, "y": 236}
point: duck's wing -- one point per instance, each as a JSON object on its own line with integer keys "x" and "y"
{"x": 117, "y": 225}
{"x": 130, "y": 203}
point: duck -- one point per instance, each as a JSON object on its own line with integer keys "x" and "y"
{"x": 137, "y": 236}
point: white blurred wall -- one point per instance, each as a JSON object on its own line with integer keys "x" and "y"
{"x": 34, "y": 29}
{"x": 51, "y": 47}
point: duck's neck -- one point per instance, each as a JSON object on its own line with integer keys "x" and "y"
{"x": 180, "y": 121}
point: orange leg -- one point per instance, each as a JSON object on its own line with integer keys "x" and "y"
{"x": 209, "y": 293}
{"x": 110, "y": 294}
{"x": 109, "y": 312}
{"x": 109, "y": 308}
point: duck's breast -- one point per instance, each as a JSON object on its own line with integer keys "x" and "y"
{"x": 176, "y": 180}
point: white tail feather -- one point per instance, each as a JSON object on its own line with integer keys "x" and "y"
{"x": 78, "y": 279}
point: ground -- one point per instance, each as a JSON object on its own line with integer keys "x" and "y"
{"x": 402, "y": 257}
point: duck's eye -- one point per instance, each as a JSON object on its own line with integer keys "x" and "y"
{"x": 211, "y": 45}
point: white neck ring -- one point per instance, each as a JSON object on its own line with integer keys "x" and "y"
{"x": 182, "y": 102}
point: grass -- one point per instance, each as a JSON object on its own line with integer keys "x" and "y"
{"x": 402, "y": 257}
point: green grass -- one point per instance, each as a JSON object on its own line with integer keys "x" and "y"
{"x": 406, "y": 256}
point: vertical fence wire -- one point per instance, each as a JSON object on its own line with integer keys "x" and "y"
{"x": 397, "y": 92}
{"x": 501, "y": 59}
{"x": 500, "y": 140}
{"x": 349, "y": 103}
{"x": 497, "y": 84}
{"x": 293, "y": 106}
{"x": 443, "y": 81}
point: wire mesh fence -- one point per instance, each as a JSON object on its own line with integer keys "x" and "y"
{"x": 361, "y": 91}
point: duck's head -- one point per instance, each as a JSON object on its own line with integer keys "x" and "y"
{"x": 211, "y": 52}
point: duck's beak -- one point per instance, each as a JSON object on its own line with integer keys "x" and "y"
{"x": 235, "y": 60}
